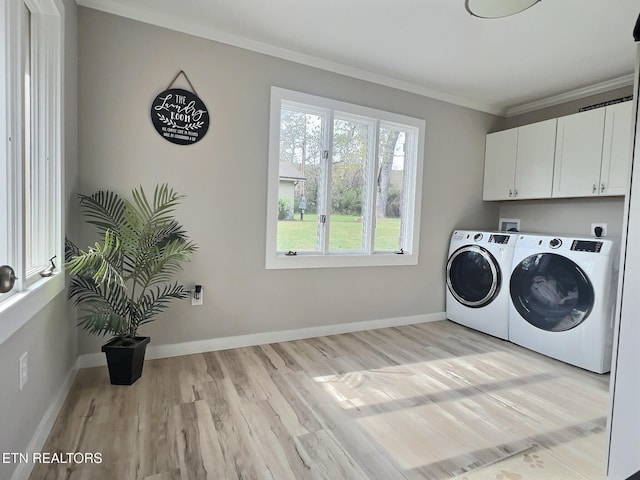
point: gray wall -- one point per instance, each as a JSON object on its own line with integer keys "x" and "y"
{"x": 50, "y": 337}
{"x": 123, "y": 64}
{"x": 566, "y": 216}
{"x": 570, "y": 216}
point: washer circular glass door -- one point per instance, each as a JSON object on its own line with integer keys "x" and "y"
{"x": 551, "y": 292}
{"x": 473, "y": 276}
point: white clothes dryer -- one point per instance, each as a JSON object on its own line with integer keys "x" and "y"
{"x": 477, "y": 274}
{"x": 563, "y": 294}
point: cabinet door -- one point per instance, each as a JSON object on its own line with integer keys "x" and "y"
{"x": 578, "y": 154}
{"x": 534, "y": 164}
{"x": 500, "y": 165}
{"x": 616, "y": 151}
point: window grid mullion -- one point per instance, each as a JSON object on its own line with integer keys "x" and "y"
{"x": 407, "y": 209}
{"x": 12, "y": 90}
{"x": 42, "y": 139}
{"x": 43, "y": 179}
{"x": 36, "y": 174}
{"x": 31, "y": 173}
{"x": 16, "y": 205}
{"x": 55, "y": 175}
{"x": 372, "y": 168}
{"x": 326, "y": 187}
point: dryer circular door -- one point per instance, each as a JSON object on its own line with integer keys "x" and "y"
{"x": 473, "y": 276}
{"x": 551, "y": 292}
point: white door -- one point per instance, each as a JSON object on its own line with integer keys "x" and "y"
{"x": 579, "y": 154}
{"x": 534, "y": 164}
{"x": 616, "y": 151}
{"x": 500, "y": 165}
{"x": 624, "y": 415}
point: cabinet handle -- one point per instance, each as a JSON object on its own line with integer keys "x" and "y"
{"x": 510, "y": 193}
{"x": 595, "y": 189}
{"x": 515, "y": 192}
{"x": 602, "y": 188}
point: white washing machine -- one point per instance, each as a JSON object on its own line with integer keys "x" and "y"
{"x": 563, "y": 295}
{"x": 477, "y": 280}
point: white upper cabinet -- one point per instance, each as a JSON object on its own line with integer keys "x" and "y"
{"x": 500, "y": 165}
{"x": 586, "y": 154}
{"x": 519, "y": 162}
{"x": 579, "y": 154}
{"x": 593, "y": 152}
{"x": 534, "y": 161}
{"x": 616, "y": 150}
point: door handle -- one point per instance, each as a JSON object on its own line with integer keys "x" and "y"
{"x": 7, "y": 278}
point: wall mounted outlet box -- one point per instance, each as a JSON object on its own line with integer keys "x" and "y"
{"x": 197, "y": 296}
{"x": 599, "y": 229}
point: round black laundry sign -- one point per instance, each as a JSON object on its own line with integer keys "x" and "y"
{"x": 180, "y": 116}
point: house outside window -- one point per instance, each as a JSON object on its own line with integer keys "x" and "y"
{"x": 344, "y": 184}
{"x": 290, "y": 191}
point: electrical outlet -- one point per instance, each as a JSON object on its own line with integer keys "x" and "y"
{"x": 24, "y": 370}
{"x": 197, "y": 295}
{"x": 603, "y": 226}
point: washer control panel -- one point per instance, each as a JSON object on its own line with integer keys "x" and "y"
{"x": 586, "y": 246}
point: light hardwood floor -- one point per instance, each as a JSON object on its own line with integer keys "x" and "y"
{"x": 428, "y": 401}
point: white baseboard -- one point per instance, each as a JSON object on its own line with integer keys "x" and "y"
{"x": 41, "y": 434}
{"x": 224, "y": 343}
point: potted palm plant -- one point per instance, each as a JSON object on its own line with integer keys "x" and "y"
{"x": 126, "y": 279}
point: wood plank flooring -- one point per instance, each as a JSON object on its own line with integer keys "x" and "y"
{"x": 428, "y": 401}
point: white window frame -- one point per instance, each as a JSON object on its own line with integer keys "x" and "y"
{"x": 31, "y": 292}
{"x": 413, "y": 186}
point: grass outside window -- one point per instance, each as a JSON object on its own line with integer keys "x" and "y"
{"x": 346, "y": 231}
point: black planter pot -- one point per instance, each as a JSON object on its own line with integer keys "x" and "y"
{"x": 125, "y": 362}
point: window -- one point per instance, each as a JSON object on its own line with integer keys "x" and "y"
{"x": 344, "y": 184}
{"x": 30, "y": 154}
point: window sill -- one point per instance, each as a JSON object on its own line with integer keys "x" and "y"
{"x": 21, "y": 307}
{"x": 282, "y": 261}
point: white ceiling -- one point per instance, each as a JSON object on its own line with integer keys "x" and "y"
{"x": 433, "y": 47}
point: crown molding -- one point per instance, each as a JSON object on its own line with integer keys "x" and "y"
{"x": 172, "y": 23}
{"x": 624, "y": 81}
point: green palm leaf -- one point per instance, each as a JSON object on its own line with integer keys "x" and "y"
{"x": 161, "y": 211}
{"x": 104, "y": 209}
{"x": 99, "y": 259}
{"x": 86, "y": 292}
{"x": 103, "y": 321}
{"x": 164, "y": 262}
{"x": 126, "y": 280}
{"x": 156, "y": 300}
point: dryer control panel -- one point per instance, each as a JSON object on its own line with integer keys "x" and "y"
{"x": 501, "y": 239}
{"x": 586, "y": 246}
